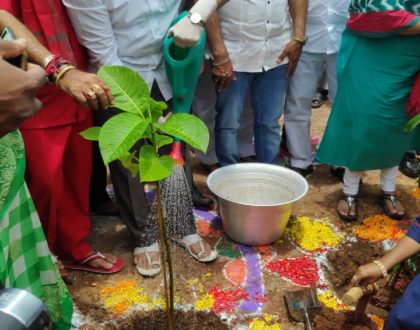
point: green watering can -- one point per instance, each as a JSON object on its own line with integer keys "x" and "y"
{"x": 183, "y": 67}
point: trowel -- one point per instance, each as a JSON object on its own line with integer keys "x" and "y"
{"x": 300, "y": 302}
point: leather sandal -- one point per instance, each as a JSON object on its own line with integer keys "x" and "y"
{"x": 201, "y": 256}
{"x": 350, "y": 201}
{"x": 391, "y": 197}
{"x": 155, "y": 266}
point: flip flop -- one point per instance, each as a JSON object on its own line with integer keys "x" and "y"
{"x": 155, "y": 266}
{"x": 83, "y": 265}
{"x": 189, "y": 240}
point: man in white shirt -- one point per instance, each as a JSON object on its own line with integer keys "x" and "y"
{"x": 325, "y": 24}
{"x": 131, "y": 33}
{"x": 255, "y": 46}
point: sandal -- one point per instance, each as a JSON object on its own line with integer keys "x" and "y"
{"x": 202, "y": 256}
{"x": 84, "y": 264}
{"x": 155, "y": 266}
{"x": 391, "y": 197}
{"x": 350, "y": 201}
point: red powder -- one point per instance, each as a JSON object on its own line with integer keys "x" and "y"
{"x": 301, "y": 271}
{"x": 226, "y": 301}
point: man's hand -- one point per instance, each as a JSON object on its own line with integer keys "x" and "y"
{"x": 18, "y": 88}
{"x": 86, "y": 88}
{"x": 292, "y": 51}
{"x": 186, "y": 34}
{"x": 222, "y": 74}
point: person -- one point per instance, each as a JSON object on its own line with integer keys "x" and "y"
{"x": 321, "y": 94}
{"x": 203, "y": 106}
{"x": 58, "y": 158}
{"x": 325, "y": 23}
{"x": 25, "y": 260}
{"x": 404, "y": 315}
{"x": 255, "y": 48}
{"x": 131, "y": 34}
{"x": 377, "y": 63}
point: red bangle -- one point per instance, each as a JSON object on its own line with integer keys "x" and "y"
{"x": 53, "y": 67}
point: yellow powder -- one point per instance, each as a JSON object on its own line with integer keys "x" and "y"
{"x": 416, "y": 193}
{"x": 204, "y": 303}
{"x": 312, "y": 235}
{"x": 265, "y": 324}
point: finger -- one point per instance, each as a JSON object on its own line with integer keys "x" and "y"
{"x": 291, "y": 68}
{"x": 109, "y": 95}
{"x": 92, "y": 101}
{"x": 12, "y": 48}
{"x": 101, "y": 96}
{"x": 355, "y": 280}
{"x": 282, "y": 56}
{"x": 36, "y": 75}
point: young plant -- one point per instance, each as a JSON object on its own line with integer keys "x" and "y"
{"x": 139, "y": 120}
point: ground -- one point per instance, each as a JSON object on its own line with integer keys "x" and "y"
{"x": 244, "y": 288}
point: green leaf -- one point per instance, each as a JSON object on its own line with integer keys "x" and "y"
{"x": 128, "y": 88}
{"x": 156, "y": 109}
{"x": 412, "y": 123}
{"x": 152, "y": 167}
{"x": 127, "y": 162}
{"x": 92, "y": 133}
{"x": 188, "y": 128}
{"x": 119, "y": 134}
{"x": 163, "y": 140}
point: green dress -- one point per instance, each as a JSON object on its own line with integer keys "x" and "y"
{"x": 25, "y": 259}
{"x": 365, "y": 130}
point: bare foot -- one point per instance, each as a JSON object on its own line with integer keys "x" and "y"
{"x": 106, "y": 263}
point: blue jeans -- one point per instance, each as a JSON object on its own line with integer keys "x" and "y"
{"x": 268, "y": 89}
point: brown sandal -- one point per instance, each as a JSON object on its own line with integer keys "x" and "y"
{"x": 350, "y": 201}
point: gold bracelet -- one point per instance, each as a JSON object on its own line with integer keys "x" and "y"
{"x": 381, "y": 268}
{"x": 62, "y": 72}
{"x": 222, "y": 62}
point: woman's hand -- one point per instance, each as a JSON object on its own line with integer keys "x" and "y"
{"x": 223, "y": 74}
{"x": 366, "y": 274}
{"x": 87, "y": 88}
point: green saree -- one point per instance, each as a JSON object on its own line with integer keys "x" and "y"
{"x": 25, "y": 259}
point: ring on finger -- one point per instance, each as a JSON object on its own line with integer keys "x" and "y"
{"x": 95, "y": 88}
{"x": 90, "y": 95}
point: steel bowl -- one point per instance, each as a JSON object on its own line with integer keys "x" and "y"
{"x": 255, "y": 200}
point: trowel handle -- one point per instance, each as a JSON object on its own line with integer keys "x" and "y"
{"x": 352, "y": 296}
{"x": 308, "y": 323}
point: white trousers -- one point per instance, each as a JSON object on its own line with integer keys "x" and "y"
{"x": 352, "y": 180}
{"x": 204, "y": 107}
{"x": 297, "y": 113}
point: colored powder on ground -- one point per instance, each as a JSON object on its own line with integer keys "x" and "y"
{"x": 120, "y": 297}
{"x": 312, "y": 235}
{"x": 226, "y": 301}
{"x": 235, "y": 271}
{"x": 226, "y": 248}
{"x": 301, "y": 271}
{"x": 203, "y": 303}
{"x": 378, "y": 321}
{"x": 159, "y": 302}
{"x": 416, "y": 193}
{"x": 379, "y": 227}
{"x": 267, "y": 323}
{"x": 329, "y": 300}
{"x": 195, "y": 284}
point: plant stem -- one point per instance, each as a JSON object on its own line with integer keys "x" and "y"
{"x": 166, "y": 256}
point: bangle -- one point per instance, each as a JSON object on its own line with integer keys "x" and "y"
{"x": 47, "y": 61}
{"x": 62, "y": 72}
{"x": 381, "y": 268}
{"x": 54, "y": 66}
{"x": 222, "y": 62}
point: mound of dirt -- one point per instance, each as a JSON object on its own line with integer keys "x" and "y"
{"x": 328, "y": 319}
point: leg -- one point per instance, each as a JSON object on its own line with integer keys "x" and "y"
{"x": 229, "y": 107}
{"x": 297, "y": 111}
{"x": 246, "y": 130}
{"x": 268, "y": 95}
{"x": 347, "y": 204}
{"x": 331, "y": 67}
{"x": 391, "y": 205}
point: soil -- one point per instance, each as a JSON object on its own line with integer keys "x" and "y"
{"x": 193, "y": 279}
{"x": 328, "y": 319}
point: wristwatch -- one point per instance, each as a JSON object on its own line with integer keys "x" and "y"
{"x": 196, "y": 18}
{"x": 301, "y": 40}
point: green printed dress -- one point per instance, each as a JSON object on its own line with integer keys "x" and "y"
{"x": 25, "y": 259}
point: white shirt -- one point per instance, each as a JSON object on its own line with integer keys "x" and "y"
{"x": 325, "y": 24}
{"x": 255, "y": 32}
{"x": 125, "y": 32}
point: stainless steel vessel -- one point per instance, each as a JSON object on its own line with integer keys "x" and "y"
{"x": 255, "y": 200}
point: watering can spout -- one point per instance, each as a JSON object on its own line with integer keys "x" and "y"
{"x": 183, "y": 66}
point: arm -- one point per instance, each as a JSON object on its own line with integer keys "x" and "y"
{"x": 76, "y": 83}
{"x": 222, "y": 66}
{"x": 186, "y": 33}
{"x": 298, "y": 11}
{"x": 18, "y": 88}
{"x": 414, "y": 30}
